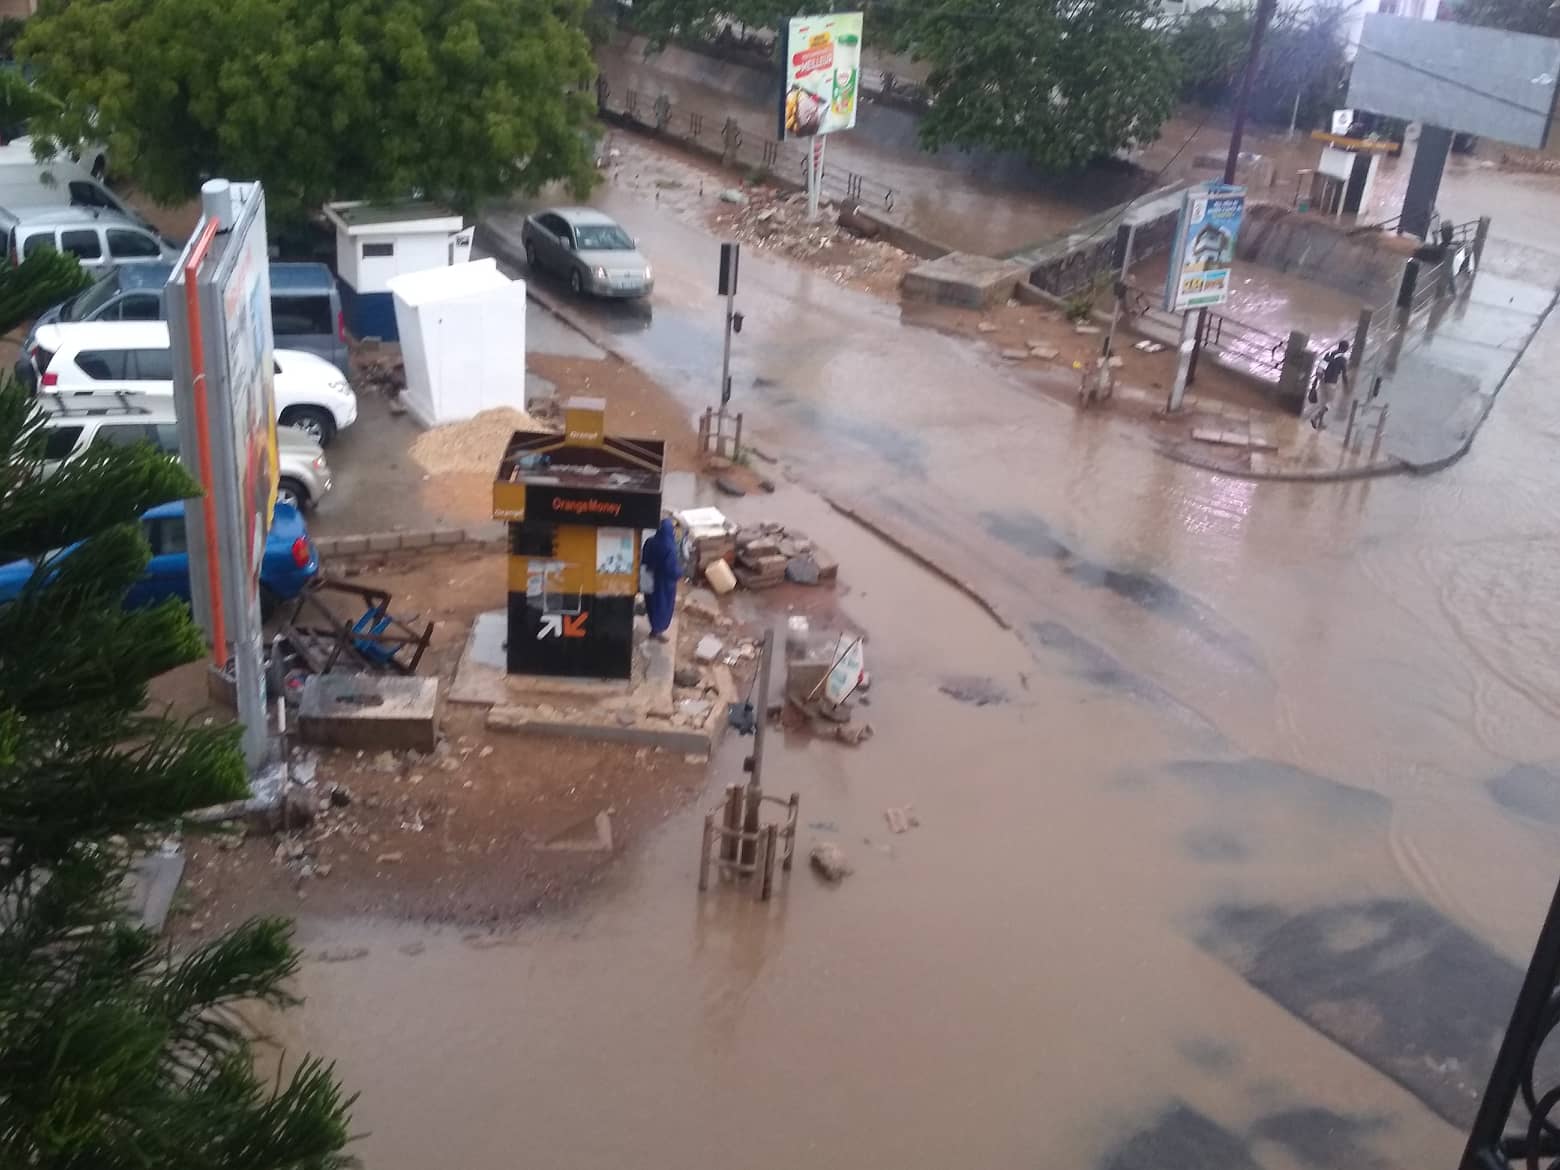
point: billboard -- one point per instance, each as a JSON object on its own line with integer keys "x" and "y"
{"x": 251, "y": 378}
{"x": 1482, "y": 81}
{"x": 224, "y": 399}
{"x": 1204, "y": 249}
{"x": 820, "y": 74}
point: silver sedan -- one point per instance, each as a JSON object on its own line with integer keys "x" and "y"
{"x": 587, "y": 249}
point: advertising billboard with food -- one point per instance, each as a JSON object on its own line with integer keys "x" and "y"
{"x": 1204, "y": 247}
{"x": 821, "y": 74}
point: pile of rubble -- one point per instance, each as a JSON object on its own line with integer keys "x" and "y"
{"x": 758, "y": 556}
{"x": 379, "y": 369}
{"x": 774, "y": 219}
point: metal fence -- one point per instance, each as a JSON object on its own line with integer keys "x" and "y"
{"x": 739, "y": 145}
{"x": 1239, "y": 344}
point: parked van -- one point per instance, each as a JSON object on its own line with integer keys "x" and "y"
{"x": 99, "y": 238}
{"x": 305, "y": 308}
{"x": 60, "y": 182}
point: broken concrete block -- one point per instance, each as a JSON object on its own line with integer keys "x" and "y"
{"x": 708, "y": 649}
{"x": 830, "y": 861}
{"x": 802, "y": 570}
{"x": 1046, "y": 353}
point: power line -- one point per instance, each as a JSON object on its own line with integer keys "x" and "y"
{"x": 1452, "y": 81}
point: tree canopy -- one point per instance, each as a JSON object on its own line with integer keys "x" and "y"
{"x": 1060, "y": 81}
{"x": 1302, "y": 54}
{"x": 1538, "y": 17}
{"x": 114, "y": 1053}
{"x": 457, "y": 99}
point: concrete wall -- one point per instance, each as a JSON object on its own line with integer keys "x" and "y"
{"x": 1318, "y": 249}
{"x": 1071, "y": 262}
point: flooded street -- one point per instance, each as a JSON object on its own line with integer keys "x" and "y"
{"x": 1241, "y": 868}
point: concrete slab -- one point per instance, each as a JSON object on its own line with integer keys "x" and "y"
{"x": 639, "y": 710}
{"x": 150, "y": 886}
{"x": 370, "y": 711}
{"x": 976, "y": 282}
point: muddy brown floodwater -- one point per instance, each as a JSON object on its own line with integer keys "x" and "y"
{"x": 1231, "y": 848}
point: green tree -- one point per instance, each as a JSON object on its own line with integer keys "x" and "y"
{"x": 1302, "y": 55}
{"x": 1062, "y": 82}
{"x": 115, "y": 1054}
{"x": 1538, "y": 17}
{"x": 458, "y": 99}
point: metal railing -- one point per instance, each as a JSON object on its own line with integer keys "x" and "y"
{"x": 1254, "y": 350}
{"x": 1494, "y": 1142}
{"x": 741, "y": 145}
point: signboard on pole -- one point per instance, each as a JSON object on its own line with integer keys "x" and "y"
{"x": 219, "y": 324}
{"x": 821, "y": 74}
{"x": 251, "y": 376}
{"x": 1204, "y": 247}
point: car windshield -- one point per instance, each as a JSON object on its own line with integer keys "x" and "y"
{"x": 84, "y": 305}
{"x": 603, "y": 237}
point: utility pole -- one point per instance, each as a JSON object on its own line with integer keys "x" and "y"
{"x": 1259, "y": 24}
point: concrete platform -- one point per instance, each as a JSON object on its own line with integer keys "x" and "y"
{"x": 376, "y": 712}
{"x": 642, "y": 710}
{"x": 959, "y": 278}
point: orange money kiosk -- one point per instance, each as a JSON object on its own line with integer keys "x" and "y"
{"x": 578, "y": 505}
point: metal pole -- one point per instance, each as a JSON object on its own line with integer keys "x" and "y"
{"x": 760, "y": 868}
{"x": 1183, "y": 364}
{"x": 814, "y": 175}
{"x": 704, "y": 851}
{"x": 732, "y": 822}
{"x": 755, "y": 790}
{"x": 725, "y": 353}
{"x": 767, "y": 881}
{"x": 1294, "y": 114}
{"x": 1121, "y": 288}
{"x": 1259, "y": 23}
{"x": 793, "y": 817}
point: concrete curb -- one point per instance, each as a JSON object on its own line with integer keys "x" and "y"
{"x": 1346, "y": 475}
{"x": 483, "y": 537}
{"x": 904, "y": 548}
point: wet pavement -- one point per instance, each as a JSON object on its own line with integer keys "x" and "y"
{"x": 1240, "y": 871}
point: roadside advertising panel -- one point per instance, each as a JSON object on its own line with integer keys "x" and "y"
{"x": 821, "y": 79}
{"x": 1204, "y": 250}
{"x": 251, "y": 380}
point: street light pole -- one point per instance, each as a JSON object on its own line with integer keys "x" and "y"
{"x": 1259, "y": 24}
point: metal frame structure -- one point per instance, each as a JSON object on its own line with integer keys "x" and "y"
{"x": 1492, "y": 1144}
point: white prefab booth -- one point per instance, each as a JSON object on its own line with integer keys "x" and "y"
{"x": 462, "y": 340}
{"x": 376, "y": 242}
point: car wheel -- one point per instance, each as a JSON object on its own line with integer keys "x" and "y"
{"x": 312, "y": 421}
{"x": 576, "y": 285}
{"x": 290, "y": 491}
{"x": 99, "y": 168}
{"x": 530, "y": 258}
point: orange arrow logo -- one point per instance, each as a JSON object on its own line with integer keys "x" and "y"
{"x": 574, "y": 626}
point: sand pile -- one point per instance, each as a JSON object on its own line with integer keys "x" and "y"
{"x": 474, "y": 446}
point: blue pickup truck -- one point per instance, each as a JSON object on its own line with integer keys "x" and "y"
{"x": 288, "y": 565}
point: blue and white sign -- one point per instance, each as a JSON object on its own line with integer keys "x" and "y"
{"x": 1204, "y": 247}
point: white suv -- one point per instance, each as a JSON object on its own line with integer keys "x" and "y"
{"x": 133, "y": 357}
{"x": 75, "y": 425}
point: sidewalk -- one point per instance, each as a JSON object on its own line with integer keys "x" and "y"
{"x": 1442, "y": 385}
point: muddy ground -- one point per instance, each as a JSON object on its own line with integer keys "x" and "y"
{"x": 489, "y": 828}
